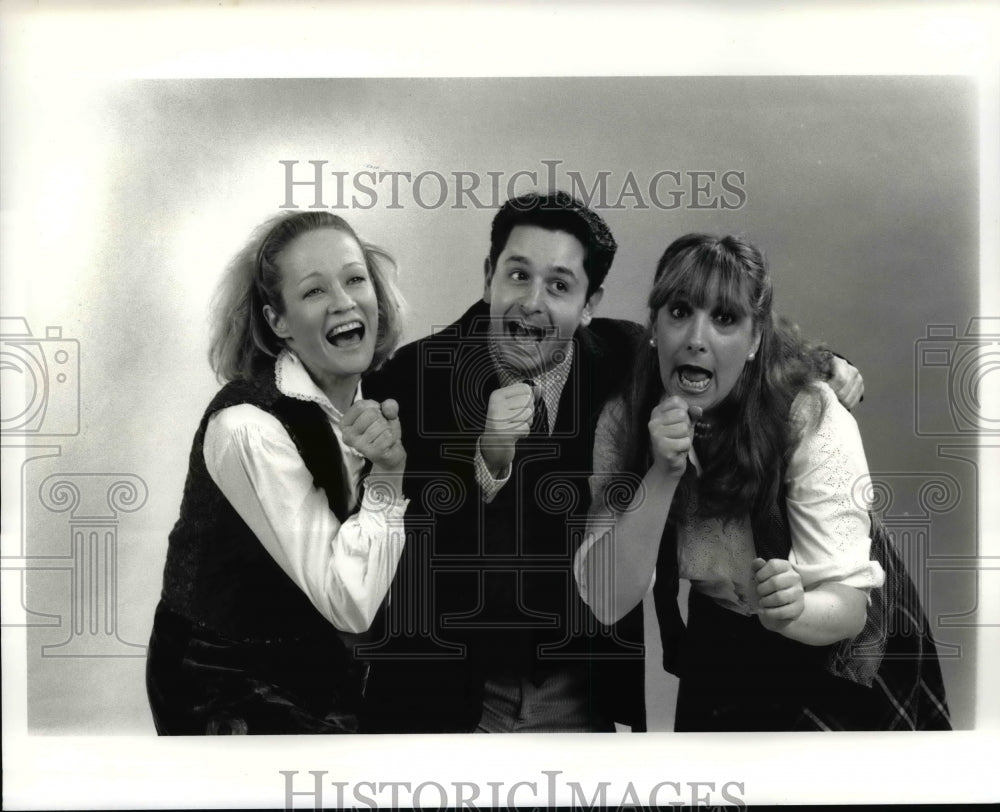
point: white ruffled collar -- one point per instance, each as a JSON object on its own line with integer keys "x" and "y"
{"x": 293, "y": 380}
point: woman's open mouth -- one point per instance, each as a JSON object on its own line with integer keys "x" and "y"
{"x": 692, "y": 379}
{"x": 349, "y": 334}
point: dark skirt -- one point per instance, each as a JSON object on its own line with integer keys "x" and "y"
{"x": 199, "y": 682}
{"x": 735, "y": 675}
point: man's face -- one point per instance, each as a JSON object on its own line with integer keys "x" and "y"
{"x": 538, "y": 297}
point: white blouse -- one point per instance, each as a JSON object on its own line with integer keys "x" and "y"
{"x": 344, "y": 569}
{"x": 827, "y": 494}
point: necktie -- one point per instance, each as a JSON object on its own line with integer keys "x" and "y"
{"x": 540, "y": 416}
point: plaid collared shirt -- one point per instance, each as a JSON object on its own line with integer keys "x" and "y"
{"x": 551, "y": 382}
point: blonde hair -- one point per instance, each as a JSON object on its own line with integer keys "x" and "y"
{"x": 242, "y": 344}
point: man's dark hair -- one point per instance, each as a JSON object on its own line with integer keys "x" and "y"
{"x": 558, "y": 212}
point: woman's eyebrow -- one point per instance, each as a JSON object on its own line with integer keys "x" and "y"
{"x": 308, "y": 277}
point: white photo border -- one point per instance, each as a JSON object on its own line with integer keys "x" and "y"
{"x": 64, "y": 43}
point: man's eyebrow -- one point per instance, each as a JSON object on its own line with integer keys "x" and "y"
{"x": 560, "y": 269}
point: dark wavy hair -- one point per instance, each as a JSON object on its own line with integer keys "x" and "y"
{"x": 558, "y": 211}
{"x": 744, "y": 456}
{"x": 242, "y": 343}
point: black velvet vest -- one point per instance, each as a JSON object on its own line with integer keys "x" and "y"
{"x": 894, "y": 654}
{"x": 218, "y": 575}
{"x": 854, "y": 659}
{"x": 771, "y": 539}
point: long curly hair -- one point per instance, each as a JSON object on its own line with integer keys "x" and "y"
{"x": 242, "y": 343}
{"x": 744, "y": 456}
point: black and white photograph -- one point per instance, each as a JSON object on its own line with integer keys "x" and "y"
{"x": 376, "y": 378}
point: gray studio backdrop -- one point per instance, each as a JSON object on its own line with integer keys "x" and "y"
{"x": 862, "y": 190}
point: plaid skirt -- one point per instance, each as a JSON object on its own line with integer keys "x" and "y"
{"x": 735, "y": 675}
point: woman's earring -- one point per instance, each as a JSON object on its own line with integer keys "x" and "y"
{"x": 652, "y": 341}
{"x": 750, "y": 356}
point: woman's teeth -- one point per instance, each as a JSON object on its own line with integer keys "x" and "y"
{"x": 346, "y": 334}
{"x": 694, "y": 380}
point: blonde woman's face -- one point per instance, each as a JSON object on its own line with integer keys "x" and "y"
{"x": 330, "y": 317}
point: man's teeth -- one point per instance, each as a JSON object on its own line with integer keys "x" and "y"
{"x": 517, "y": 329}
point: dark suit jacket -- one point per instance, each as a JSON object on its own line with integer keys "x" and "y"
{"x": 487, "y": 589}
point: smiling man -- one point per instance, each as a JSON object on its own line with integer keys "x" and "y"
{"x": 484, "y": 629}
{"x": 537, "y": 289}
{"x": 540, "y": 291}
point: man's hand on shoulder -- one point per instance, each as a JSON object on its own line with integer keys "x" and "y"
{"x": 846, "y": 382}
